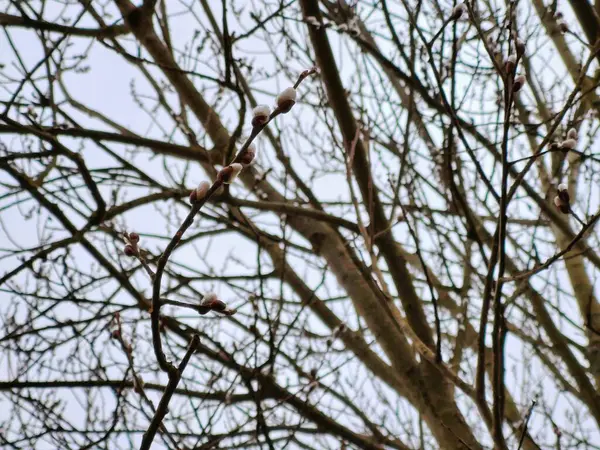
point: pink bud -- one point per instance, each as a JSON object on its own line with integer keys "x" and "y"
{"x": 134, "y": 237}
{"x": 129, "y": 250}
{"x": 572, "y": 134}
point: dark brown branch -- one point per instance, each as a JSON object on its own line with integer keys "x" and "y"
{"x": 8, "y": 20}
{"x": 163, "y": 406}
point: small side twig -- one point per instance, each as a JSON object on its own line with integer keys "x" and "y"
{"x": 524, "y": 432}
{"x": 586, "y": 227}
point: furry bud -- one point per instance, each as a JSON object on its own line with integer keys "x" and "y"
{"x": 209, "y": 297}
{"x": 569, "y": 144}
{"x": 312, "y": 20}
{"x": 248, "y": 155}
{"x": 572, "y": 134}
{"x": 286, "y": 100}
{"x": 211, "y": 301}
{"x": 458, "y": 11}
{"x": 562, "y": 26}
{"x": 520, "y": 47}
{"x": 563, "y": 193}
{"x": 229, "y": 173}
{"x": 260, "y": 115}
{"x": 519, "y": 83}
{"x": 216, "y": 305}
{"x": 561, "y": 205}
{"x": 200, "y": 192}
{"x": 511, "y": 63}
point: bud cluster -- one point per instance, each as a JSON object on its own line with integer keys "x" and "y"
{"x": 131, "y": 249}
{"x": 511, "y": 63}
{"x": 117, "y": 334}
{"x": 571, "y": 141}
{"x": 560, "y": 23}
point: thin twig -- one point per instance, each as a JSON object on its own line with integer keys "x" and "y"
{"x": 163, "y": 406}
{"x": 524, "y": 432}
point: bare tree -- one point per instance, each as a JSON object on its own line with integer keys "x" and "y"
{"x": 299, "y": 224}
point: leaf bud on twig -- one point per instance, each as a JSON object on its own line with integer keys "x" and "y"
{"x": 563, "y": 193}
{"x": 519, "y": 83}
{"x": 248, "y": 155}
{"x": 200, "y": 192}
{"x": 229, "y": 173}
{"x": 458, "y": 11}
{"x": 561, "y": 205}
{"x": 520, "y": 47}
{"x": 511, "y": 63}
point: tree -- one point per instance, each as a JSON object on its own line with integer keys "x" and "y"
{"x": 399, "y": 251}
